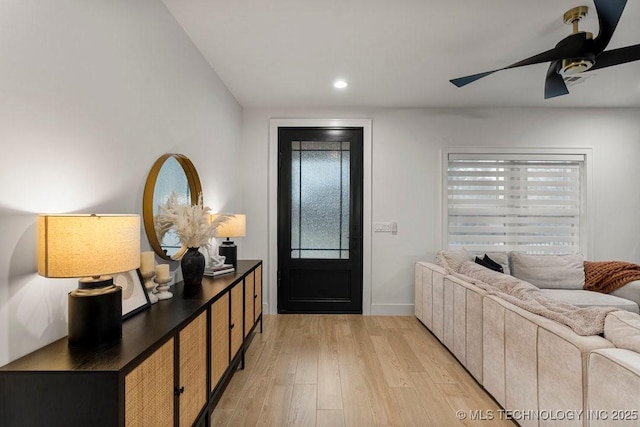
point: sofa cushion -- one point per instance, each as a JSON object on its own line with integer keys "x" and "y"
{"x": 453, "y": 259}
{"x": 613, "y": 384}
{"x": 549, "y": 271}
{"x": 622, "y": 328}
{"x": 630, "y": 291}
{"x": 582, "y": 298}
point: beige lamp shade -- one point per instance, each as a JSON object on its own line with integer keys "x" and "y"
{"x": 236, "y": 226}
{"x": 87, "y": 245}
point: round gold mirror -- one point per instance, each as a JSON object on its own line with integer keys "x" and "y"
{"x": 171, "y": 173}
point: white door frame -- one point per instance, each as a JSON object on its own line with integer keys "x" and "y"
{"x": 274, "y": 124}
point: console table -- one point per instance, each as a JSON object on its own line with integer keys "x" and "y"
{"x": 173, "y": 363}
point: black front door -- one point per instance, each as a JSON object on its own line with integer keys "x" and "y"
{"x": 320, "y": 183}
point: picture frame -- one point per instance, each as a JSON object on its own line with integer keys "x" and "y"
{"x": 134, "y": 294}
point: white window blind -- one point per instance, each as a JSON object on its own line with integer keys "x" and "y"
{"x": 515, "y": 202}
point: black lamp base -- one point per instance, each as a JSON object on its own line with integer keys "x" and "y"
{"x": 229, "y": 250}
{"x": 95, "y": 317}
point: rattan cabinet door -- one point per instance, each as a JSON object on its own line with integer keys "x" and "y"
{"x": 237, "y": 315}
{"x": 149, "y": 390}
{"x": 257, "y": 294}
{"x": 249, "y": 283}
{"x": 193, "y": 370}
{"x": 219, "y": 339}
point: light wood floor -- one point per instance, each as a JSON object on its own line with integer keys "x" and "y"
{"x": 343, "y": 370}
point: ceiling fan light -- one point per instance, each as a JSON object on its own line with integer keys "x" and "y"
{"x": 575, "y": 66}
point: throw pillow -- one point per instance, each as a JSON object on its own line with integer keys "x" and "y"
{"x": 491, "y": 265}
{"x": 452, "y": 259}
{"x": 622, "y": 328}
{"x": 496, "y": 266}
{"x": 549, "y": 271}
{"x": 501, "y": 258}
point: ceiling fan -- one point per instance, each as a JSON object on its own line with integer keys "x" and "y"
{"x": 577, "y": 52}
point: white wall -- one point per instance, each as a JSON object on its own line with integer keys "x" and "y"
{"x": 406, "y": 182}
{"x": 91, "y": 93}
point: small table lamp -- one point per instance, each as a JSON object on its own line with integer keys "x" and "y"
{"x": 89, "y": 246}
{"x": 235, "y": 226}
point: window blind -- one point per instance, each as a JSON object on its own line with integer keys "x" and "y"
{"x": 503, "y": 202}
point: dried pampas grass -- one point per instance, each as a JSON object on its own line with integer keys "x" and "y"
{"x": 191, "y": 223}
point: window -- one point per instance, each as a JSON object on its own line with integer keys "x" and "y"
{"x": 533, "y": 203}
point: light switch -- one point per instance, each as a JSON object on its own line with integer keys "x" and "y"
{"x": 385, "y": 227}
{"x": 382, "y": 227}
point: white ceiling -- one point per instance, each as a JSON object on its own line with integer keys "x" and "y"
{"x": 398, "y": 53}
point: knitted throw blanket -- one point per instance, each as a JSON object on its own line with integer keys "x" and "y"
{"x": 582, "y": 320}
{"x": 607, "y": 276}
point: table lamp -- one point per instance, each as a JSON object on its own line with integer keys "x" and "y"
{"x": 90, "y": 247}
{"x": 235, "y": 226}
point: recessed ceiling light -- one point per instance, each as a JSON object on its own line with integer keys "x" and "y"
{"x": 340, "y": 84}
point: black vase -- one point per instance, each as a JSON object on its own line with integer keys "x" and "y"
{"x": 192, "y": 264}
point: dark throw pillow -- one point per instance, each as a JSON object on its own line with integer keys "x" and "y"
{"x": 490, "y": 265}
{"x": 496, "y": 266}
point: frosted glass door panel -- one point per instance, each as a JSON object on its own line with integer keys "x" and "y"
{"x": 320, "y": 200}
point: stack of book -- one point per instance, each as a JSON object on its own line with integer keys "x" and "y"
{"x": 216, "y": 271}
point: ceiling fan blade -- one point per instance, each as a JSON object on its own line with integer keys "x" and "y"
{"x": 555, "y": 54}
{"x": 462, "y": 81}
{"x": 609, "y": 12}
{"x": 617, "y": 56}
{"x": 554, "y": 84}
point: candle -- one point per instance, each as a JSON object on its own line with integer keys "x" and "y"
{"x": 147, "y": 261}
{"x": 162, "y": 272}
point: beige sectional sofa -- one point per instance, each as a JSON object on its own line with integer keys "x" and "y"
{"x": 540, "y": 370}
